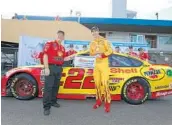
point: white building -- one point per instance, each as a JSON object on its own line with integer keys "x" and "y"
{"x": 119, "y": 10}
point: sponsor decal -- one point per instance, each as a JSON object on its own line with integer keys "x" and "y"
{"x": 113, "y": 88}
{"x": 162, "y": 87}
{"x": 76, "y": 79}
{"x": 170, "y": 85}
{"x": 163, "y": 93}
{"x": 120, "y": 70}
{"x": 152, "y": 74}
{"x": 117, "y": 80}
{"x": 169, "y": 73}
{"x": 42, "y": 76}
{"x": 85, "y": 61}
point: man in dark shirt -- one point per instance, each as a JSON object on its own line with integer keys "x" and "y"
{"x": 53, "y": 57}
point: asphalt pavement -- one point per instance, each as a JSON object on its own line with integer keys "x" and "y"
{"x": 80, "y": 112}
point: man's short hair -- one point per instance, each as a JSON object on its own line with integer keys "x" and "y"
{"x": 60, "y": 31}
{"x": 140, "y": 49}
{"x": 95, "y": 28}
{"x": 130, "y": 47}
{"x": 71, "y": 45}
{"x": 117, "y": 47}
{"x": 84, "y": 46}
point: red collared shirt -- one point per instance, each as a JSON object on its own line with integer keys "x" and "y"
{"x": 144, "y": 56}
{"x": 55, "y": 51}
{"x": 70, "y": 52}
{"x": 132, "y": 54}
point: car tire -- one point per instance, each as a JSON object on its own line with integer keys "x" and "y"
{"x": 135, "y": 91}
{"x": 24, "y": 87}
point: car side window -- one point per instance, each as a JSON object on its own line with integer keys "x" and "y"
{"x": 122, "y": 61}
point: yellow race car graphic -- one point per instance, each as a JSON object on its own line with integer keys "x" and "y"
{"x": 131, "y": 79}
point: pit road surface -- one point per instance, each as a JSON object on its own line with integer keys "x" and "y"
{"x": 80, "y": 112}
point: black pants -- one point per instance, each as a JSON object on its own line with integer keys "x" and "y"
{"x": 51, "y": 87}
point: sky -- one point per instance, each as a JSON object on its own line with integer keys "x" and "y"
{"x": 88, "y": 8}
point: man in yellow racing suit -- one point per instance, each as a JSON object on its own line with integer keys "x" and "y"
{"x": 101, "y": 48}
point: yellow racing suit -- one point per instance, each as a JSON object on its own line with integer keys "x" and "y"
{"x": 101, "y": 70}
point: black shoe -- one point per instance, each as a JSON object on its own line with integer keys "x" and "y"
{"x": 46, "y": 111}
{"x": 56, "y": 105}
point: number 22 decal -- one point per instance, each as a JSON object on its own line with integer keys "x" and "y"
{"x": 77, "y": 79}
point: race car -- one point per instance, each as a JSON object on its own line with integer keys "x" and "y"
{"x": 131, "y": 80}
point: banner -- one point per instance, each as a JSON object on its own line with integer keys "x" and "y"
{"x": 30, "y": 47}
{"x": 84, "y": 61}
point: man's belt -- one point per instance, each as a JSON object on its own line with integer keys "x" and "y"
{"x": 58, "y": 58}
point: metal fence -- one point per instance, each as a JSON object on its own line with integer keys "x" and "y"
{"x": 161, "y": 57}
{"x": 9, "y": 57}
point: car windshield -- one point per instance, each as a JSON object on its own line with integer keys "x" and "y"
{"x": 116, "y": 60}
{"x": 121, "y": 61}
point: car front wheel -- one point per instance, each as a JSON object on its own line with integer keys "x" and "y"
{"x": 135, "y": 91}
{"x": 24, "y": 87}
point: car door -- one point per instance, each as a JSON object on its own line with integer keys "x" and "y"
{"x": 122, "y": 68}
{"x": 77, "y": 80}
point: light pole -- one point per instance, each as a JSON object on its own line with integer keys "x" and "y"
{"x": 157, "y": 15}
{"x": 78, "y": 14}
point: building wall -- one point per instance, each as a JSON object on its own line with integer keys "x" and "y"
{"x": 118, "y": 36}
{"x": 126, "y": 37}
{"x": 164, "y": 42}
{"x": 154, "y": 53}
{"x": 13, "y": 29}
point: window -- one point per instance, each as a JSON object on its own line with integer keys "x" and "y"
{"x": 165, "y": 40}
{"x": 136, "y": 38}
{"x": 122, "y": 61}
{"x": 133, "y": 38}
{"x": 140, "y": 38}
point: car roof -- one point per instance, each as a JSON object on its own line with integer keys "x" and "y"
{"x": 121, "y": 54}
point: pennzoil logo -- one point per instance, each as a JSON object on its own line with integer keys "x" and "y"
{"x": 152, "y": 74}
